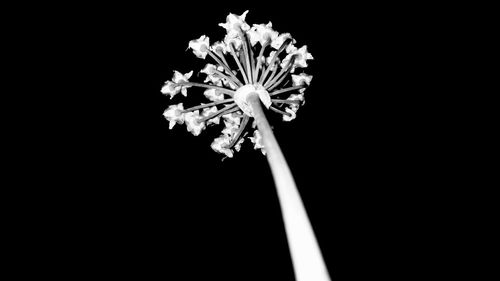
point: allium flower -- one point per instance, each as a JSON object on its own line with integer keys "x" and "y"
{"x": 243, "y": 80}
{"x": 242, "y": 67}
{"x": 199, "y": 46}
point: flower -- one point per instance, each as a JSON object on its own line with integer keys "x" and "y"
{"x": 200, "y": 46}
{"x": 219, "y": 145}
{"x": 301, "y": 56}
{"x": 192, "y": 122}
{"x": 213, "y": 95}
{"x": 219, "y": 46}
{"x": 171, "y": 88}
{"x": 257, "y": 141}
{"x": 228, "y": 85}
{"x": 278, "y": 41}
{"x": 262, "y": 33}
{"x": 235, "y": 24}
{"x": 174, "y": 115}
{"x": 301, "y": 79}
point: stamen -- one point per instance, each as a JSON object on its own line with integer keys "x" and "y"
{"x": 220, "y": 112}
{"x": 206, "y": 105}
{"x": 238, "y": 63}
{"x": 243, "y": 124}
{"x": 201, "y": 85}
{"x": 283, "y": 46}
{"x": 286, "y": 101}
{"x": 224, "y": 66}
{"x": 280, "y": 111}
{"x": 286, "y": 90}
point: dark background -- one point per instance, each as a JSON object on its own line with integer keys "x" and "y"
{"x": 125, "y": 196}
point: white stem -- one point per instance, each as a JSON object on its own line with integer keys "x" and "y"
{"x": 306, "y": 256}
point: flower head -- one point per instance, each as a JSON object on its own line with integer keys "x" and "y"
{"x": 240, "y": 69}
{"x": 200, "y": 46}
{"x": 172, "y": 88}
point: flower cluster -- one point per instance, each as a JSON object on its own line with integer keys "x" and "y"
{"x": 250, "y": 59}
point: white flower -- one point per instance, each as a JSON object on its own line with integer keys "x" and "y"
{"x": 219, "y": 46}
{"x": 235, "y": 24}
{"x": 301, "y": 57}
{"x": 191, "y": 120}
{"x": 233, "y": 43}
{"x": 298, "y": 97}
{"x": 209, "y": 70}
{"x": 200, "y": 46}
{"x": 210, "y": 110}
{"x": 219, "y": 145}
{"x": 262, "y": 33}
{"x": 278, "y": 41}
{"x": 174, "y": 115}
{"x": 213, "y": 95}
{"x": 171, "y": 89}
{"x": 301, "y": 79}
{"x": 292, "y": 112}
{"x": 257, "y": 140}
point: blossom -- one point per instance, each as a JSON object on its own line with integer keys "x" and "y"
{"x": 233, "y": 43}
{"x": 262, "y": 33}
{"x": 278, "y": 41}
{"x": 200, "y": 46}
{"x": 301, "y": 79}
{"x": 301, "y": 56}
{"x": 235, "y": 24}
{"x": 171, "y": 88}
{"x": 213, "y": 95}
{"x": 174, "y": 115}
{"x": 210, "y": 71}
{"x": 257, "y": 141}
{"x": 192, "y": 122}
{"x": 219, "y": 46}
{"x": 219, "y": 145}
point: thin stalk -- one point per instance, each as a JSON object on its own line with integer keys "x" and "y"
{"x": 306, "y": 256}
{"x": 201, "y": 85}
{"x": 240, "y": 131}
{"x": 285, "y": 90}
{"x": 275, "y": 69}
{"x": 275, "y": 57}
{"x": 272, "y": 86}
{"x": 224, "y": 111}
{"x": 285, "y": 101}
{"x": 206, "y": 105}
{"x": 280, "y": 111}
{"x": 231, "y": 50}
{"x": 223, "y": 76}
{"x": 216, "y": 58}
{"x": 283, "y": 73}
{"x": 259, "y": 60}
{"x": 247, "y": 58}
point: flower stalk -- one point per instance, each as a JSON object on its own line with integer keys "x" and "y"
{"x": 306, "y": 256}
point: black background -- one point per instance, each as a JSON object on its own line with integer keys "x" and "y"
{"x": 125, "y": 196}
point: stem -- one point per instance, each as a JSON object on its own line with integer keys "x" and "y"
{"x": 201, "y": 85}
{"x": 259, "y": 60}
{"x": 206, "y": 105}
{"x": 306, "y": 256}
{"x": 286, "y": 90}
{"x": 231, "y": 50}
{"x": 228, "y": 70}
{"x": 224, "y": 111}
{"x": 285, "y": 101}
